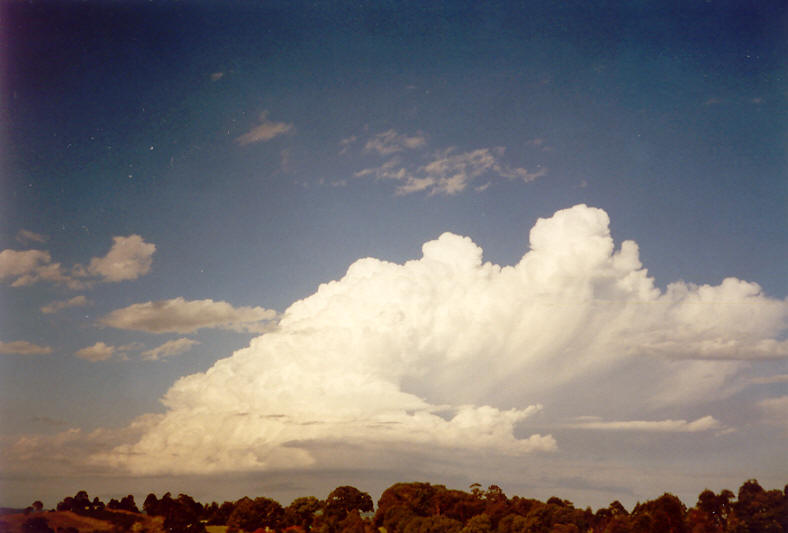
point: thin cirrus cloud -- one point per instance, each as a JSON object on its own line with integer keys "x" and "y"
{"x": 59, "y": 305}
{"x": 668, "y": 426}
{"x": 23, "y": 348}
{"x": 447, "y": 355}
{"x": 169, "y": 349}
{"x": 128, "y": 258}
{"x": 25, "y": 236}
{"x": 446, "y": 172}
{"x": 179, "y": 315}
{"x": 264, "y": 131}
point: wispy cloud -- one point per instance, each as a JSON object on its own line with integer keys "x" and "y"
{"x": 23, "y": 348}
{"x": 54, "y": 307}
{"x": 169, "y": 348}
{"x": 178, "y": 315}
{"x": 265, "y": 131}
{"x": 25, "y": 236}
{"x": 216, "y": 76}
{"x": 450, "y": 172}
{"x": 390, "y": 142}
{"x": 668, "y": 426}
{"x": 778, "y": 378}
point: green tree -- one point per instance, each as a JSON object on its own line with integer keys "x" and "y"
{"x": 250, "y": 515}
{"x": 343, "y": 500}
{"x": 301, "y": 512}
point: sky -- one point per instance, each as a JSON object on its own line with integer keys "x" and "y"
{"x": 271, "y": 248}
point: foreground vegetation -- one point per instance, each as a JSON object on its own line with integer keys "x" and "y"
{"x": 412, "y": 508}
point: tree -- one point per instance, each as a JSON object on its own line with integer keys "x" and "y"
{"x": 36, "y": 524}
{"x": 250, "y": 515}
{"x": 343, "y": 500}
{"x": 38, "y": 506}
{"x": 301, "y": 512}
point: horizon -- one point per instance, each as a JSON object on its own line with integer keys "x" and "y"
{"x": 276, "y": 249}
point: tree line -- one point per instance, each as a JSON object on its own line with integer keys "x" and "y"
{"x": 426, "y": 508}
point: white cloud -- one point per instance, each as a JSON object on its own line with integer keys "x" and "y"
{"x": 216, "y": 76}
{"x": 27, "y": 267}
{"x": 670, "y": 426}
{"x": 23, "y": 348}
{"x": 390, "y": 142}
{"x": 129, "y": 258}
{"x": 95, "y": 353}
{"x": 25, "y": 236}
{"x": 169, "y": 348}
{"x": 449, "y": 172}
{"x": 178, "y": 315}
{"x": 54, "y": 307}
{"x": 447, "y": 355}
{"x": 265, "y": 131}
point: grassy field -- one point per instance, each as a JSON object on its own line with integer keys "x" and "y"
{"x": 12, "y": 523}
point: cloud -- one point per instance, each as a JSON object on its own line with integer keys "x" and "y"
{"x": 216, "y": 76}
{"x": 129, "y": 258}
{"x": 265, "y": 131}
{"x": 779, "y": 378}
{"x": 671, "y": 426}
{"x": 25, "y": 236}
{"x": 169, "y": 348}
{"x": 23, "y": 348}
{"x": 390, "y": 142}
{"x": 54, "y": 307}
{"x": 186, "y": 316}
{"x": 775, "y": 410}
{"x": 447, "y": 356}
{"x": 95, "y": 353}
{"x": 449, "y": 172}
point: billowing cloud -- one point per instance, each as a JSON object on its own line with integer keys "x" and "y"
{"x": 390, "y": 142}
{"x": 447, "y": 354}
{"x": 23, "y": 348}
{"x": 54, "y": 307}
{"x": 129, "y": 258}
{"x": 450, "y": 172}
{"x": 27, "y": 267}
{"x": 671, "y": 426}
{"x": 265, "y": 131}
{"x": 169, "y": 348}
{"x": 178, "y": 315}
{"x": 95, "y": 353}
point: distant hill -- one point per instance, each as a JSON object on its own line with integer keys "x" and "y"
{"x": 12, "y": 522}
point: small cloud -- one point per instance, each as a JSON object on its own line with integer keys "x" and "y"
{"x": 187, "y": 316}
{"x": 54, "y": 307}
{"x": 23, "y": 348}
{"x": 757, "y": 100}
{"x": 129, "y": 258}
{"x": 390, "y": 142}
{"x": 265, "y": 131}
{"x": 668, "y": 426}
{"x": 216, "y": 76}
{"x": 25, "y": 236}
{"x": 95, "y": 353}
{"x": 539, "y": 144}
{"x": 346, "y": 144}
{"x": 169, "y": 348}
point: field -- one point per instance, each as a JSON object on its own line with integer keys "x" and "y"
{"x": 12, "y": 523}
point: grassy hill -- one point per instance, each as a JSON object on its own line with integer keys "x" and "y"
{"x": 105, "y": 521}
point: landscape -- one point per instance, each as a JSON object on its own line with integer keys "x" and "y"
{"x": 416, "y": 507}
{"x": 370, "y": 265}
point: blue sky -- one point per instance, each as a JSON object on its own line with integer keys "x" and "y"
{"x": 180, "y": 178}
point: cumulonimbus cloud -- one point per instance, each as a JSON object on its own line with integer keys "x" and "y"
{"x": 179, "y": 315}
{"x": 446, "y": 352}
